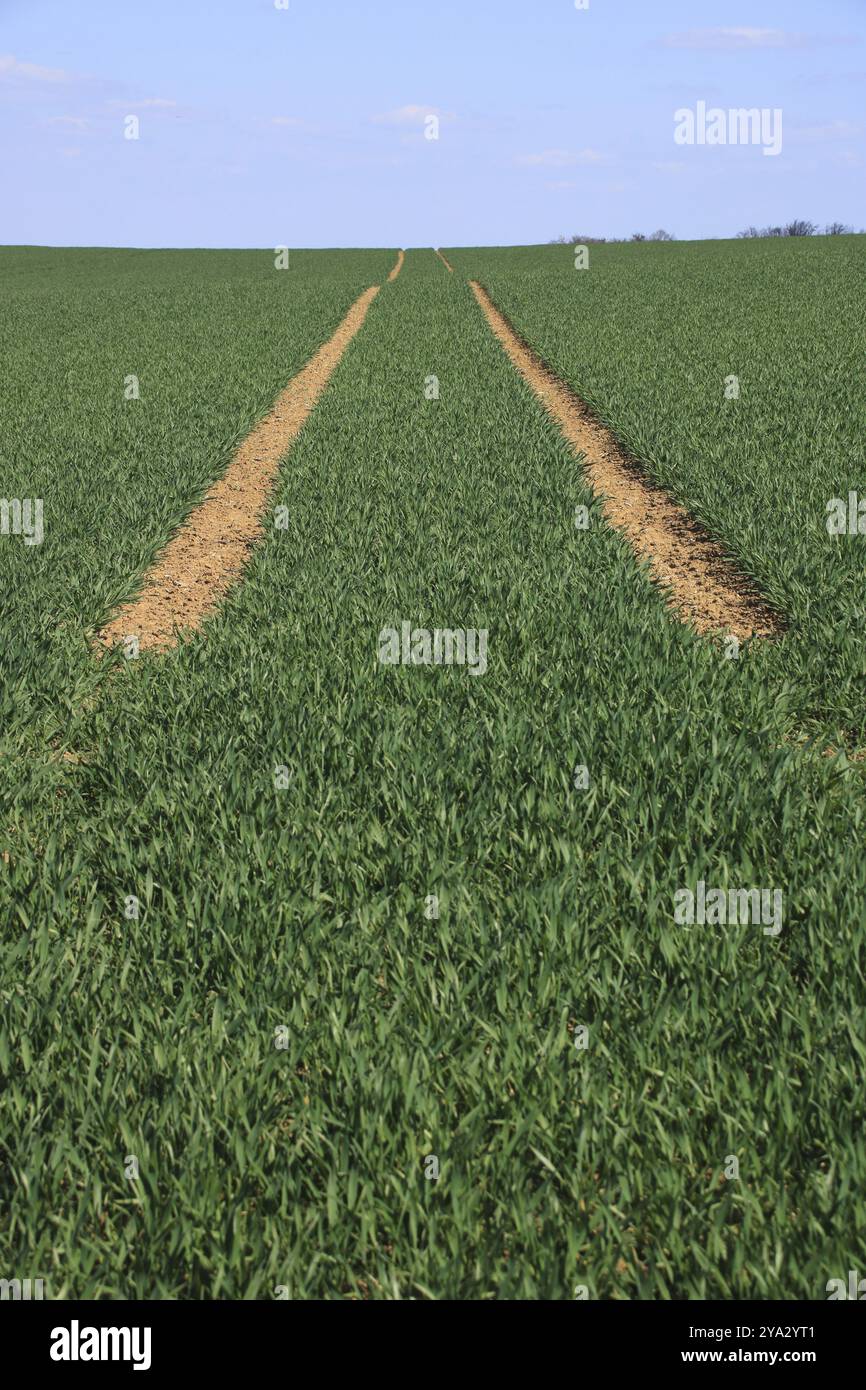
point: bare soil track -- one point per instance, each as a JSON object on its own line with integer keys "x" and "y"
{"x": 209, "y": 551}
{"x": 392, "y": 274}
{"x": 208, "y": 554}
{"x": 699, "y": 579}
{"x": 444, "y": 262}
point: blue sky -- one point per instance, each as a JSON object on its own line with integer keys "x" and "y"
{"x": 305, "y": 126}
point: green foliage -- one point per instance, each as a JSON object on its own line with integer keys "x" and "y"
{"x": 304, "y": 908}
{"x": 650, "y": 335}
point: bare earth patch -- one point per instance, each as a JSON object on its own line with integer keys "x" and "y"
{"x": 207, "y": 555}
{"x": 392, "y": 274}
{"x": 699, "y": 580}
{"x": 444, "y": 262}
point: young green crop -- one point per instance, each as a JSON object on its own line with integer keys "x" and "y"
{"x": 732, "y": 370}
{"x": 132, "y": 377}
{"x": 286, "y": 1034}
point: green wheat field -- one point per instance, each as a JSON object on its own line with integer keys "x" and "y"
{"x": 328, "y": 977}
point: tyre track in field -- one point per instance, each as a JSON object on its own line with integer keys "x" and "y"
{"x": 701, "y": 582}
{"x": 444, "y": 262}
{"x": 207, "y": 555}
{"x": 392, "y": 274}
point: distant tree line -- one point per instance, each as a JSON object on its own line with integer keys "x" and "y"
{"x": 660, "y": 235}
{"x": 799, "y": 227}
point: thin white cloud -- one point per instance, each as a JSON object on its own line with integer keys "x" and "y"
{"x": 295, "y": 122}
{"x": 737, "y": 39}
{"x": 160, "y": 103}
{"x": 411, "y": 115}
{"x": 828, "y": 130}
{"x": 559, "y": 159}
{"x": 73, "y": 122}
{"x": 669, "y": 166}
{"x": 818, "y": 79}
{"x": 11, "y": 67}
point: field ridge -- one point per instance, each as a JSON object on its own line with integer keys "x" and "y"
{"x": 700, "y": 581}
{"x": 210, "y": 549}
